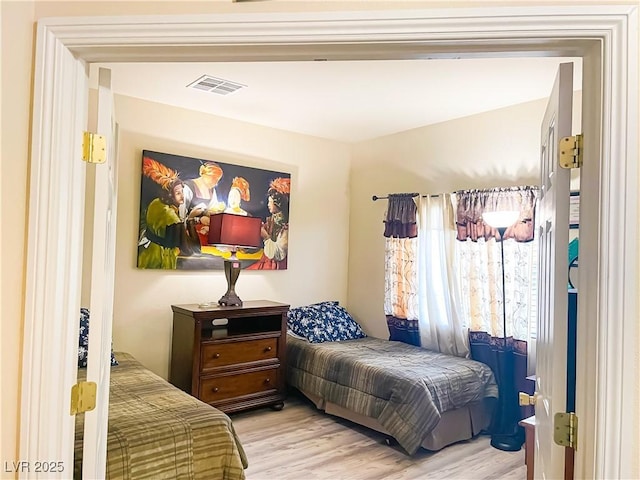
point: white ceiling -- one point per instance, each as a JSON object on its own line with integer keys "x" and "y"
{"x": 348, "y": 101}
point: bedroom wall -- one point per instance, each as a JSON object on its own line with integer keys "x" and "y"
{"x": 17, "y": 44}
{"x": 496, "y": 148}
{"x": 318, "y": 234}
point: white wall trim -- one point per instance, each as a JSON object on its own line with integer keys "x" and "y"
{"x": 618, "y": 330}
{"x": 400, "y": 34}
{"x": 587, "y": 403}
{"x": 630, "y": 394}
{"x": 53, "y": 278}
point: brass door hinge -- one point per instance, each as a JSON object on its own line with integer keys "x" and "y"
{"x": 83, "y": 397}
{"x": 565, "y": 429}
{"x": 94, "y": 148}
{"x": 571, "y": 151}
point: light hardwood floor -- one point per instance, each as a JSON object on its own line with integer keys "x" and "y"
{"x": 303, "y": 443}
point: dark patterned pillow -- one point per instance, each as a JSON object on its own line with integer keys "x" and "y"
{"x": 324, "y": 322}
{"x": 307, "y": 311}
{"x": 83, "y": 346}
{"x": 326, "y": 302}
{"x": 300, "y": 320}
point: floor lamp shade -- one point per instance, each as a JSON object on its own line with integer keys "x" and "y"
{"x": 501, "y": 219}
{"x": 233, "y": 232}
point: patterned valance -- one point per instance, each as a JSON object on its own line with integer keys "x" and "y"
{"x": 471, "y": 204}
{"x": 400, "y": 219}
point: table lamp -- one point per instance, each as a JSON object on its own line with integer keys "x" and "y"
{"x": 233, "y": 232}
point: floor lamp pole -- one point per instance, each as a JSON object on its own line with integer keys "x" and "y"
{"x": 501, "y": 230}
{"x": 508, "y": 434}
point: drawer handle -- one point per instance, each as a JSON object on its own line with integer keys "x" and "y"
{"x": 214, "y": 389}
{"x": 268, "y": 349}
{"x": 267, "y": 380}
{"x": 216, "y": 355}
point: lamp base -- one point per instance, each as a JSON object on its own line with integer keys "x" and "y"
{"x": 230, "y": 299}
{"x": 231, "y": 271}
{"x": 507, "y": 442}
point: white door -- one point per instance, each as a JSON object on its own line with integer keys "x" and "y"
{"x": 553, "y": 231}
{"x": 102, "y": 283}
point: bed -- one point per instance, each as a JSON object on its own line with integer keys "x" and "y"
{"x": 418, "y": 397}
{"x": 158, "y": 431}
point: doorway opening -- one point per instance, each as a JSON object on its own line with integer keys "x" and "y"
{"x": 618, "y": 152}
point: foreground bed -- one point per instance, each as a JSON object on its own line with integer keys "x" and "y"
{"x": 419, "y": 397}
{"x": 157, "y": 431}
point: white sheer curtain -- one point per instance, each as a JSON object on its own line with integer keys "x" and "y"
{"x": 400, "y": 284}
{"x": 479, "y": 272}
{"x": 439, "y": 298}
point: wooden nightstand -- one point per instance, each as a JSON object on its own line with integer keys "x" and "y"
{"x": 529, "y": 425}
{"x": 231, "y": 357}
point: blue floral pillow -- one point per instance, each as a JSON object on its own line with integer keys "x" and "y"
{"x": 324, "y": 322}
{"x": 84, "y": 340}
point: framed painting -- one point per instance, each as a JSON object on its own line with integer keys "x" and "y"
{"x": 179, "y": 194}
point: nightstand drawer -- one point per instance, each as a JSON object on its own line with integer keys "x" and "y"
{"x": 223, "y": 354}
{"x": 231, "y": 386}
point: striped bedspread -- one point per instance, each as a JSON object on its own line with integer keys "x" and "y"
{"x": 405, "y": 388}
{"x": 158, "y": 431}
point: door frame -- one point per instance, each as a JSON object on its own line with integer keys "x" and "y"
{"x": 606, "y": 36}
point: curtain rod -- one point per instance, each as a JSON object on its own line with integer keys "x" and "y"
{"x": 376, "y": 197}
{"x": 499, "y": 189}
{"x": 477, "y": 190}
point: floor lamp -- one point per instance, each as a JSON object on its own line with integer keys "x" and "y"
{"x": 507, "y": 434}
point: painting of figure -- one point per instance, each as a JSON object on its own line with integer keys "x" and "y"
{"x": 179, "y": 194}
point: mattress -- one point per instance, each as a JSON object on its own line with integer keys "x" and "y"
{"x": 158, "y": 431}
{"x": 399, "y": 389}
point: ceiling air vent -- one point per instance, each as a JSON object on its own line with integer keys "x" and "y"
{"x": 215, "y": 85}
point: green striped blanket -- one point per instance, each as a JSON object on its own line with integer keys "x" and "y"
{"x": 405, "y": 388}
{"x": 158, "y": 431}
